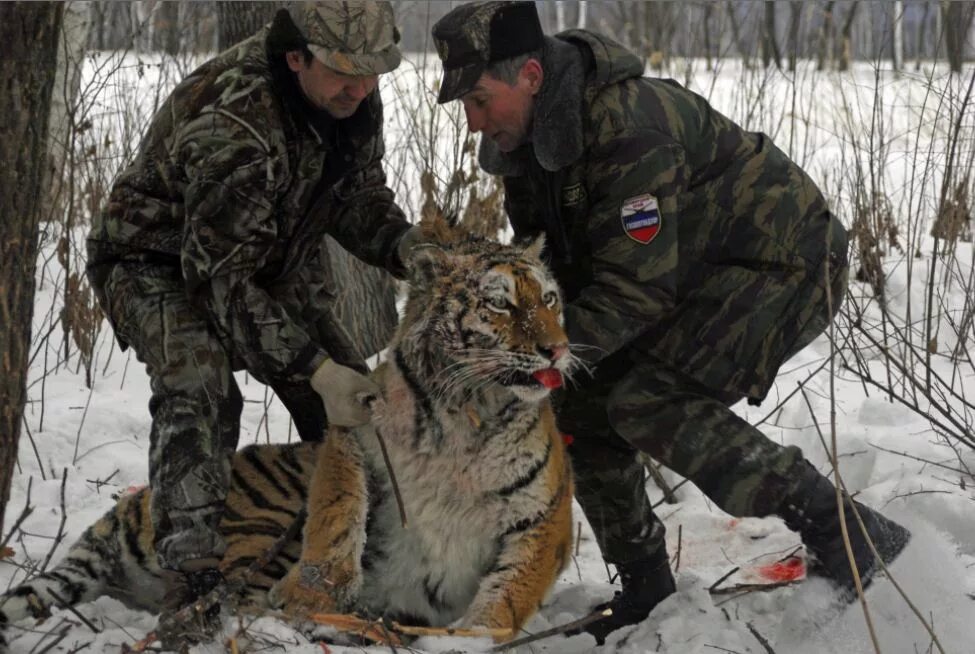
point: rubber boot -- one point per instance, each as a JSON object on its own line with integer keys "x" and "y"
{"x": 645, "y": 583}
{"x": 180, "y": 624}
{"x": 812, "y": 511}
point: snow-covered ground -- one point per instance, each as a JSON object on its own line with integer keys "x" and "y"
{"x": 98, "y": 437}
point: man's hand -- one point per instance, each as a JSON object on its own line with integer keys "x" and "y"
{"x": 409, "y": 240}
{"x": 344, "y": 392}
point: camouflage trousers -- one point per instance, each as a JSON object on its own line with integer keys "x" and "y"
{"x": 195, "y": 407}
{"x": 638, "y": 403}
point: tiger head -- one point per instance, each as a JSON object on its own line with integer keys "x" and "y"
{"x": 484, "y": 315}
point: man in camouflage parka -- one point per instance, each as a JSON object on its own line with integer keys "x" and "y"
{"x": 694, "y": 259}
{"x": 210, "y": 255}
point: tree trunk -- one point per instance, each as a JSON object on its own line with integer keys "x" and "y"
{"x": 707, "y": 35}
{"x": 559, "y": 16}
{"x": 29, "y": 32}
{"x": 795, "y": 20}
{"x": 736, "y": 34}
{"x": 238, "y": 20}
{"x": 921, "y": 31}
{"x": 366, "y": 296}
{"x": 843, "y": 61}
{"x": 770, "y": 46}
{"x": 826, "y": 36}
{"x": 957, "y": 22}
{"x": 583, "y": 10}
{"x": 898, "y": 53}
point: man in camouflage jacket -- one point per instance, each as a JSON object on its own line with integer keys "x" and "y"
{"x": 210, "y": 255}
{"x": 694, "y": 259}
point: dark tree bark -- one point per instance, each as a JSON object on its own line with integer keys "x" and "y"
{"x": 957, "y": 21}
{"x": 826, "y": 36}
{"x": 843, "y": 60}
{"x": 29, "y": 32}
{"x": 736, "y": 34}
{"x": 365, "y": 296}
{"x": 770, "y": 45}
{"x": 795, "y": 20}
{"x": 708, "y": 7}
{"x": 921, "y": 31}
{"x": 238, "y": 20}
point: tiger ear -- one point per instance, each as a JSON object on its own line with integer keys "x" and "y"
{"x": 536, "y": 247}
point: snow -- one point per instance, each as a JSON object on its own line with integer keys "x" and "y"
{"x": 888, "y": 453}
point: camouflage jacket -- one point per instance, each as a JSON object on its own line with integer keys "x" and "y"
{"x": 236, "y": 182}
{"x": 650, "y": 200}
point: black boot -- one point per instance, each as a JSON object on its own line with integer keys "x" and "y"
{"x": 181, "y": 623}
{"x": 646, "y": 583}
{"x": 811, "y": 510}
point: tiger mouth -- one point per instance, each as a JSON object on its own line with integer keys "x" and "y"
{"x": 550, "y": 378}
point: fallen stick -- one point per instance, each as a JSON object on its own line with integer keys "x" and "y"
{"x": 575, "y": 625}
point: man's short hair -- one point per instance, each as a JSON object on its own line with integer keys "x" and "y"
{"x": 506, "y": 70}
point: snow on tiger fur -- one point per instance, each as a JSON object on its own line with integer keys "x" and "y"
{"x": 471, "y": 437}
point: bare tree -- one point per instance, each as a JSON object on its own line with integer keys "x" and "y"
{"x": 826, "y": 36}
{"x": 25, "y": 98}
{"x": 583, "y": 11}
{"x": 708, "y": 7}
{"x": 843, "y": 59}
{"x": 238, "y": 20}
{"x": 898, "y": 26}
{"x": 957, "y": 22}
{"x": 921, "y": 30}
{"x": 736, "y": 33}
{"x": 770, "y": 45}
{"x": 795, "y": 21}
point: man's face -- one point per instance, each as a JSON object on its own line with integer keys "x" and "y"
{"x": 502, "y": 111}
{"x": 335, "y": 92}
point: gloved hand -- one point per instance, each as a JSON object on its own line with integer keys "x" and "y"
{"x": 410, "y": 239}
{"x": 344, "y": 392}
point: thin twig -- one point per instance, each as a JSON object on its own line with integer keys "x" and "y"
{"x": 392, "y": 477}
{"x": 66, "y": 605}
{"x": 27, "y": 510}
{"x": 575, "y": 625}
{"x": 64, "y": 519}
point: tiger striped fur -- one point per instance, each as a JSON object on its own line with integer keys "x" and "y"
{"x": 471, "y": 437}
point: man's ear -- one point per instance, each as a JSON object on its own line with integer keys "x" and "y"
{"x": 295, "y": 59}
{"x": 533, "y": 74}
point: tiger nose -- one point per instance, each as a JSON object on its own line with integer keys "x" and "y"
{"x": 553, "y": 352}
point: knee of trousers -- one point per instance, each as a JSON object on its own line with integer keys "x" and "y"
{"x": 643, "y": 413}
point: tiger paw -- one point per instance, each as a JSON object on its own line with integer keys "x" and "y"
{"x": 305, "y": 589}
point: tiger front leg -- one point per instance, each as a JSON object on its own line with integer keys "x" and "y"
{"x": 328, "y": 575}
{"x": 526, "y": 569}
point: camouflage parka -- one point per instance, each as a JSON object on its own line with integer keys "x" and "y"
{"x": 235, "y": 184}
{"x": 674, "y": 232}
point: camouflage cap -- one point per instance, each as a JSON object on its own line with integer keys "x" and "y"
{"x": 354, "y": 38}
{"x": 474, "y": 35}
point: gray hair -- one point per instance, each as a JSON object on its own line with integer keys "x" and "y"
{"x": 506, "y": 70}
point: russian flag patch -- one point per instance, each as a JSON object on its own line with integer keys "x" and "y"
{"x": 641, "y": 218}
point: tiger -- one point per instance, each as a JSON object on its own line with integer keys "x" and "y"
{"x": 484, "y": 526}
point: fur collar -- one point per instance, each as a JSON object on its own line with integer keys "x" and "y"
{"x": 557, "y": 128}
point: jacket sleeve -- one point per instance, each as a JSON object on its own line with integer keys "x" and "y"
{"x": 369, "y": 223}
{"x": 233, "y": 176}
{"x": 633, "y": 283}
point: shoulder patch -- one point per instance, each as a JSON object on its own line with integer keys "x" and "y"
{"x": 641, "y": 218}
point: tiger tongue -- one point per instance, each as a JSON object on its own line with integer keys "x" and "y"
{"x": 549, "y": 377}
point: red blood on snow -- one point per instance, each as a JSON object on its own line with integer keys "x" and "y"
{"x": 791, "y": 569}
